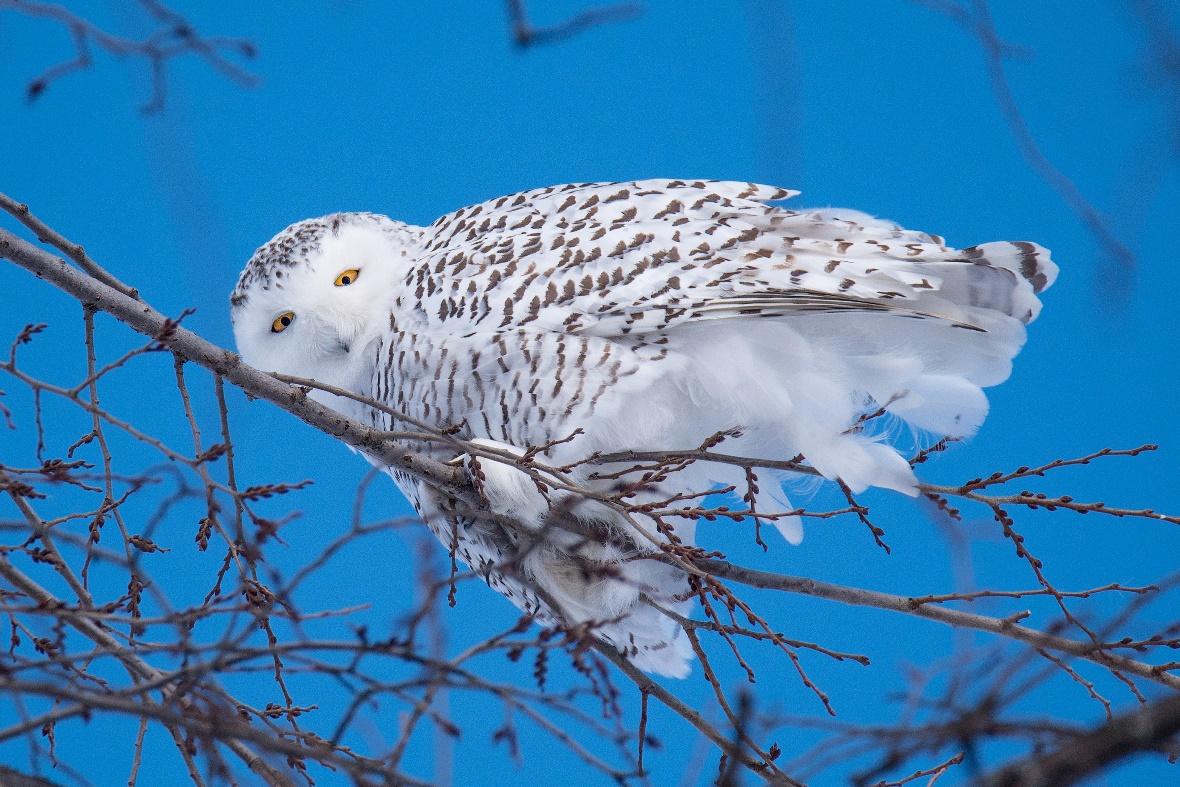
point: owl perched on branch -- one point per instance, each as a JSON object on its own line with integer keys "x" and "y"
{"x": 601, "y": 318}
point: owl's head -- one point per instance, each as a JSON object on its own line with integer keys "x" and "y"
{"x": 309, "y": 302}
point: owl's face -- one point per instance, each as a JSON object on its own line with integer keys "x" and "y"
{"x": 309, "y": 302}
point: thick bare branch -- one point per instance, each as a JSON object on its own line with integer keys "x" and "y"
{"x": 1148, "y": 728}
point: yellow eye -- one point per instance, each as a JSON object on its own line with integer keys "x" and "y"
{"x": 281, "y": 322}
{"x": 347, "y": 277}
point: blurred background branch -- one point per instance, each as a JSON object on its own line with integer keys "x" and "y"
{"x": 976, "y": 17}
{"x": 172, "y": 36}
{"x": 526, "y": 34}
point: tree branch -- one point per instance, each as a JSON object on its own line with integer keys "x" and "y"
{"x": 1147, "y": 728}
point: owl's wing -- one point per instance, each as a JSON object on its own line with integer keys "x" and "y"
{"x": 621, "y": 258}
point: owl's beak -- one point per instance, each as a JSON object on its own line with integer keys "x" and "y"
{"x": 341, "y": 331}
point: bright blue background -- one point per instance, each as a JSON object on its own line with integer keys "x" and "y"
{"x": 881, "y": 106}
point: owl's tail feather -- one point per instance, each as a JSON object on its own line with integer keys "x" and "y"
{"x": 1003, "y": 277}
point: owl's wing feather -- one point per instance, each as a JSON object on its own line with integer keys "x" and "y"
{"x": 644, "y": 255}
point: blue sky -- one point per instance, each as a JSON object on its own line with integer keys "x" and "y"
{"x": 881, "y": 106}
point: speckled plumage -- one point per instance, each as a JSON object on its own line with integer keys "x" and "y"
{"x": 649, "y": 314}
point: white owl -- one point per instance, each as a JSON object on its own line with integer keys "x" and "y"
{"x": 650, "y": 314}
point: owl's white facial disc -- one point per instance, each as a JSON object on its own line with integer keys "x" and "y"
{"x": 310, "y": 301}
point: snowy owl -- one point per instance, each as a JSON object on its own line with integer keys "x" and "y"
{"x": 649, "y": 315}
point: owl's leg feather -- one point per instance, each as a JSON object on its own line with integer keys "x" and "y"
{"x": 509, "y": 490}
